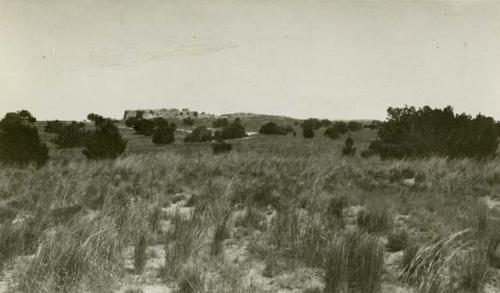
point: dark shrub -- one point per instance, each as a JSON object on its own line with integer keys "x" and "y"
{"x": 233, "y": 130}
{"x": 144, "y": 127}
{"x": 423, "y": 132}
{"x": 311, "y": 123}
{"x": 221, "y": 147}
{"x": 53, "y": 126}
{"x": 397, "y": 240}
{"x": 348, "y": 149}
{"x": 164, "y": 132}
{"x": 308, "y": 133}
{"x": 130, "y": 122}
{"x": 325, "y": 123}
{"x": 199, "y": 134}
{"x": 188, "y": 121}
{"x": 354, "y": 126}
{"x": 340, "y": 127}
{"x": 19, "y": 140}
{"x": 220, "y": 122}
{"x": 105, "y": 142}
{"x": 71, "y": 135}
{"x": 272, "y": 128}
{"x": 332, "y": 133}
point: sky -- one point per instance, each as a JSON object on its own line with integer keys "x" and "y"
{"x": 63, "y": 59}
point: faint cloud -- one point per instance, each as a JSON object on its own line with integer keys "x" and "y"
{"x": 133, "y": 55}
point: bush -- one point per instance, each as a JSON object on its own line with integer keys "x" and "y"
{"x": 105, "y": 142}
{"x": 53, "y": 126}
{"x": 220, "y": 123}
{"x": 71, "y": 135}
{"x": 19, "y": 140}
{"x": 272, "y": 128}
{"x": 199, "y": 134}
{"x": 164, "y": 132}
{"x": 325, "y": 123}
{"x": 233, "y": 130}
{"x": 354, "y": 262}
{"x": 332, "y": 133}
{"x": 348, "y": 149}
{"x": 307, "y": 133}
{"x": 188, "y": 121}
{"x": 354, "y": 126}
{"x": 144, "y": 127}
{"x": 131, "y": 121}
{"x": 340, "y": 127}
{"x": 311, "y": 123}
{"x": 221, "y": 147}
{"x": 424, "y": 132}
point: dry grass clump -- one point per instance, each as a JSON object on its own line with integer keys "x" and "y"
{"x": 354, "y": 263}
{"x": 376, "y": 216}
{"x": 184, "y": 241}
{"x": 83, "y": 256}
{"x": 298, "y": 234}
{"x": 449, "y": 264}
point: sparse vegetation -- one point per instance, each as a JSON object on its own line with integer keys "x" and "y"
{"x": 276, "y": 214}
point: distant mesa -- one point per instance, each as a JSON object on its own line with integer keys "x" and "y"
{"x": 165, "y": 113}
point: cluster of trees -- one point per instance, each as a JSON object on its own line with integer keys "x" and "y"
{"x": 20, "y": 142}
{"x": 199, "y": 134}
{"x": 423, "y": 132}
{"x": 162, "y": 131}
{"x": 232, "y": 130}
{"x": 270, "y": 128}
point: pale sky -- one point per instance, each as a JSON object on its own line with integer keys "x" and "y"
{"x": 327, "y": 59}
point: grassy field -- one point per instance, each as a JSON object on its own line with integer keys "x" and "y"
{"x": 277, "y": 214}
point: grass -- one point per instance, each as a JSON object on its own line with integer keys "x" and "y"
{"x": 79, "y": 215}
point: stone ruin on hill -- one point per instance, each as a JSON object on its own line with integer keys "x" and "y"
{"x": 165, "y": 113}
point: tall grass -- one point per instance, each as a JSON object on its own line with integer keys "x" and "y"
{"x": 83, "y": 256}
{"x": 354, "y": 263}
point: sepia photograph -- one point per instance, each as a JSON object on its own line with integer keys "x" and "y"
{"x": 249, "y": 146}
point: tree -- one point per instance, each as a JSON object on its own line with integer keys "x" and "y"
{"x": 311, "y": 123}
{"x": 354, "y": 126}
{"x": 199, "y": 134}
{"x": 164, "y": 132}
{"x": 332, "y": 133}
{"x": 233, "y": 130}
{"x": 105, "y": 142}
{"x": 220, "y": 123}
{"x": 308, "y": 132}
{"x": 188, "y": 121}
{"x": 270, "y": 128}
{"x": 71, "y": 135}
{"x": 340, "y": 127}
{"x": 349, "y": 149}
{"x": 53, "y": 126}
{"x": 325, "y": 123}
{"x": 130, "y": 122}
{"x": 144, "y": 127}
{"x": 19, "y": 140}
